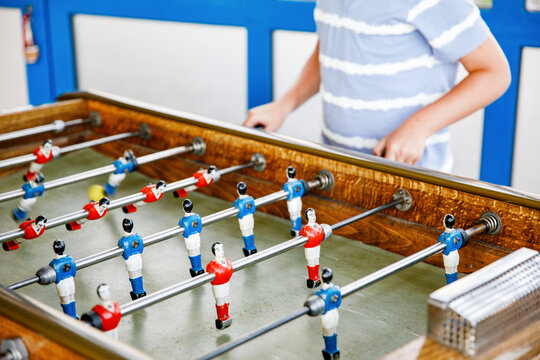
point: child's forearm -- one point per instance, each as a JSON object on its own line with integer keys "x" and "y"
{"x": 488, "y": 79}
{"x": 306, "y": 85}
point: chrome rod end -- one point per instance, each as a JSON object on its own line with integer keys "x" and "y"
{"x": 259, "y": 161}
{"x": 199, "y": 146}
{"x": 326, "y": 180}
{"x": 492, "y": 221}
{"x": 95, "y": 119}
{"x": 407, "y": 199}
{"x": 144, "y": 131}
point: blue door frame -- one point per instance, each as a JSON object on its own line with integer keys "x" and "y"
{"x": 54, "y": 73}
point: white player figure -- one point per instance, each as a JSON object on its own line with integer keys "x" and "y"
{"x": 246, "y": 208}
{"x": 192, "y": 224}
{"x": 331, "y": 294}
{"x": 133, "y": 246}
{"x": 451, "y": 255}
{"x": 65, "y": 269}
{"x": 312, "y": 248}
{"x": 204, "y": 178}
{"x": 223, "y": 269}
{"x": 32, "y": 190}
{"x": 44, "y": 153}
{"x": 153, "y": 192}
{"x": 296, "y": 190}
{"x": 125, "y": 164}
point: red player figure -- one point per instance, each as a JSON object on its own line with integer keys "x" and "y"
{"x": 32, "y": 229}
{"x": 222, "y": 268}
{"x": 204, "y": 176}
{"x": 153, "y": 192}
{"x": 96, "y": 210}
{"x": 44, "y": 153}
{"x": 315, "y": 234}
{"x": 105, "y": 316}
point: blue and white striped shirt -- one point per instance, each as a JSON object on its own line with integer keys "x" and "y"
{"x": 381, "y": 61}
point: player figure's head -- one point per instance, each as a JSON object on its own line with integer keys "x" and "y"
{"x": 127, "y": 225}
{"x": 47, "y": 144}
{"x": 104, "y": 202}
{"x": 40, "y": 221}
{"x": 160, "y": 186}
{"x": 241, "y": 188}
{"x": 59, "y": 247}
{"x": 212, "y": 169}
{"x": 217, "y": 249}
{"x": 291, "y": 172}
{"x": 449, "y": 221}
{"x": 310, "y": 215}
{"x": 104, "y": 292}
{"x": 128, "y": 154}
{"x": 188, "y": 206}
{"x": 327, "y": 275}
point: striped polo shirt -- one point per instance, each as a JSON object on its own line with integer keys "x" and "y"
{"x": 381, "y": 61}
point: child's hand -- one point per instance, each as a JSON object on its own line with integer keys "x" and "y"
{"x": 405, "y": 144}
{"x": 270, "y": 115}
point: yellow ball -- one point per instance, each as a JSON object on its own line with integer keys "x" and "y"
{"x": 96, "y": 192}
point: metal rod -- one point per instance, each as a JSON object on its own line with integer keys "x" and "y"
{"x": 203, "y": 279}
{"x": 391, "y": 269}
{"x": 97, "y": 172}
{"x": 476, "y": 230}
{"x": 31, "y": 157}
{"x": 263, "y": 330}
{"x": 367, "y": 213}
{"x": 57, "y": 125}
{"x": 23, "y": 283}
{"x": 130, "y": 199}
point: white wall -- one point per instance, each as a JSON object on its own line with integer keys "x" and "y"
{"x": 196, "y": 68}
{"x": 526, "y": 166}
{"x": 13, "y": 85}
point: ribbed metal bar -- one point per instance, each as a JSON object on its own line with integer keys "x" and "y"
{"x": 263, "y": 330}
{"x": 31, "y": 157}
{"x": 391, "y": 269}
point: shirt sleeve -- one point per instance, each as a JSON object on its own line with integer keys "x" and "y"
{"x": 453, "y": 28}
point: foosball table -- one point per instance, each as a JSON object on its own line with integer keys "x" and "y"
{"x": 134, "y": 231}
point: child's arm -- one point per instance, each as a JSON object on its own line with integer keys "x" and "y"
{"x": 273, "y": 114}
{"x": 489, "y": 77}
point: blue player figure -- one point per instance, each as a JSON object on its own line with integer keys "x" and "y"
{"x": 296, "y": 190}
{"x": 65, "y": 269}
{"x": 32, "y": 189}
{"x": 246, "y": 208}
{"x": 124, "y": 165}
{"x": 331, "y": 294}
{"x": 192, "y": 224}
{"x": 133, "y": 247}
{"x": 454, "y": 240}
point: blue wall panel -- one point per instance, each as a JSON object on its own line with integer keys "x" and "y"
{"x": 55, "y": 71}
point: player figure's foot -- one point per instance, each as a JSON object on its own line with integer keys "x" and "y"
{"x": 129, "y": 209}
{"x": 249, "y": 252}
{"x": 220, "y": 325}
{"x": 17, "y": 214}
{"x": 312, "y": 284}
{"x": 327, "y": 356}
{"x": 72, "y": 226}
{"x": 137, "y": 296}
{"x": 294, "y": 233}
{"x": 196, "y": 273}
{"x": 10, "y": 245}
{"x": 180, "y": 193}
